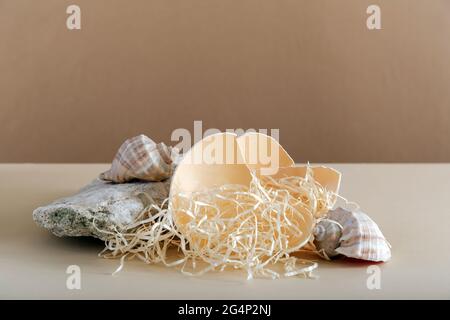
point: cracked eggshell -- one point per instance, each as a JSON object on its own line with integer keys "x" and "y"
{"x": 223, "y": 158}
{"x": 326, "y": 177}
{"x": 255, "y": 147}
{"x": 203, "y": 168}
{"x": 250, "y": 145}
{"x": 211, "y": 162}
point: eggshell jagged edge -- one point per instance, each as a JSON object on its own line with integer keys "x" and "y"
{"x": 191, "y": 176}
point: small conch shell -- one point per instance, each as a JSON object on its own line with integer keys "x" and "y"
{"x": 142, "y": 159}
{"x": 327, "y": 236}
{"x": 361, "y": 237}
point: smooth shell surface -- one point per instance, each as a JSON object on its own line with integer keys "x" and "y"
{"x": 202, "y": 169}
{"x": 263, "y": 153}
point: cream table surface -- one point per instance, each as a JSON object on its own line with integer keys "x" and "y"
{"x": 410, "y": 202}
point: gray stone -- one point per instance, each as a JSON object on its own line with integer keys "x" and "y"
{"x": 110, "y": 204}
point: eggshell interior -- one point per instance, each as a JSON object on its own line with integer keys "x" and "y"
{"x": 326, "y": 177}
{"x": 224, "y": 158}
{"x": 198, "y": 171}
{"x": 261, "y": 152}
{"x": 202, "y": 168}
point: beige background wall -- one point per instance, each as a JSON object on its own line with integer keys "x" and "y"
{"x": 337, "y": 91}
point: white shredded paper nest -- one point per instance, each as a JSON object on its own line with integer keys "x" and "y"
{"x": 254, "y": 228}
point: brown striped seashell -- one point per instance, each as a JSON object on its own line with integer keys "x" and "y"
{"x": 140, "y": 158}
{"x": 361, "y": 238}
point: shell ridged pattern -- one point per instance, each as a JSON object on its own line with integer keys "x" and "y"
{"x": 361, "y": 236}
{"x": 142, "y": 159}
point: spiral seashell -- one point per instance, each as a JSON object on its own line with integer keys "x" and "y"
{"x": 361, "y": 237}
{"x": 327, "y": 236}
{"x": 142, "y": 159}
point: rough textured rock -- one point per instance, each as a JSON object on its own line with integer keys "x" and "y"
{"x": 110, "y": 204}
